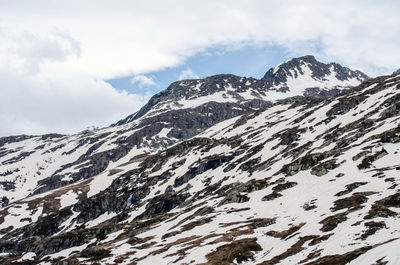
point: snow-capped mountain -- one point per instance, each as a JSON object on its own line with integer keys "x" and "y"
{"x": 296, "y": 77}
{"x": 214, "y": 171}
{"x": 307, "y": 76}
{"x": 35, "y": 164}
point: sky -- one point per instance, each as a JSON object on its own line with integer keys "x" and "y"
{"x": 244, "y": 61}
{"x": 68, "y": 65}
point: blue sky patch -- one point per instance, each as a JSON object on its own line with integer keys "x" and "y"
{"x": 247, "y": 61}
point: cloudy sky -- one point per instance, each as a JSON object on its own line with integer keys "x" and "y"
{"x": 66, "y": 65}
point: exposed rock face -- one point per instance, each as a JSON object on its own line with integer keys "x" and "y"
{"x": 194, "y": 178}
{"x": 279, "y": 77}
{"x": 297, "y": 66}
{"x": 324, "y": 80}
{"x": 183, "y": 110}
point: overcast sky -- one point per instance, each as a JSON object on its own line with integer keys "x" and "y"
{"x": 65, "y": 65}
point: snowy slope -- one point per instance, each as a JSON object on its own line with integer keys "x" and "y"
{"x": 296, "y": 77}
{"x": 36, "y": 164}
{"x": 313, "y": 184}
{"x": 300, "y": 181}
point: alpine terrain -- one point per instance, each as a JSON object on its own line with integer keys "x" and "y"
{"x": 298, "y": 167}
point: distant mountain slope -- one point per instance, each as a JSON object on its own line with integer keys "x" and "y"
{"x": 310, "y": 179}
{"x": 298, "y": 76}
{"x": 183, "y": 110}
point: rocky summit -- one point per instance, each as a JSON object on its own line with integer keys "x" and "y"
{"x": 298, "y": 167}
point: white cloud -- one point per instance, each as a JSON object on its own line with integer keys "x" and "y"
{"x": 187, "y": 74}
{"x": 143, "y": 81}
{"x": 41, "y": 93}
{"x": 134, "y": 37}
{"x": 61, "y": 103}
{"x": 60, "y": 51}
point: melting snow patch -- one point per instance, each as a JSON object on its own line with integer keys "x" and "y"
{"x": 100, "y": 183}
{"x": 68, "y": 199}
{"x": 102, "y": 218}
{"x": 67, "y": 252}
{"x": 28, "y": 256}
{"x": 383, "y": 253}
{"x": 164, "y": 132}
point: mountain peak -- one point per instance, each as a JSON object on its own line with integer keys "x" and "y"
{"x": 307, "y": 72}
{"x": 295, "y": 77}
{"x": 319, "y": 70}
{"x": 292, "y": 63}
{"x": 396, "y": 72}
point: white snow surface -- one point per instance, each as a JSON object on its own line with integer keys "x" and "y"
{"x": 208, "y": 221}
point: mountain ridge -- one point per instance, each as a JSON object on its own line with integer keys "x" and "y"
{"x": 261, "y": 89}
{"x": 305, "y": 179}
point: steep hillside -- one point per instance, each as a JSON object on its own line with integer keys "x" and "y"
{"x": 298, "y": 76}
{"x": 32, "y": 165}
{"x": 311, "y": 179}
